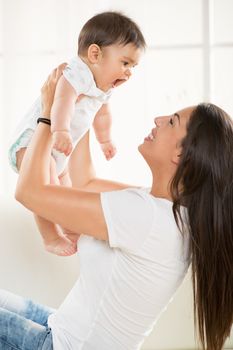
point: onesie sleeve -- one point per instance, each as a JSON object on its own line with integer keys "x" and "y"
{"x": 78, "y": 76}
{"x": 129, "y": 217}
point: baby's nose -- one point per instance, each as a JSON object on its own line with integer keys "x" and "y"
{"x": 128, "y": 72}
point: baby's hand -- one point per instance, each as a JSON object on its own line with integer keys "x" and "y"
{"x": 62, "y": 142}
{"x": 108, "y": 149}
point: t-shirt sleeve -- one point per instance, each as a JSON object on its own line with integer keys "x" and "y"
{"x": 129, "y": 217}
{"x": 77, "y": 76}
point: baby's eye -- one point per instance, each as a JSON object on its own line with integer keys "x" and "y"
{"x": 125, "y": 63}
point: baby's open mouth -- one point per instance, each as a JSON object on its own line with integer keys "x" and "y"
{"x": 117, "y": 82}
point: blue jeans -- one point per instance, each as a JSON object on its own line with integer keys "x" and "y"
{"x": 23, "y": 324}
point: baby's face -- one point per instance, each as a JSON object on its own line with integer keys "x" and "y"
{"x": 115, "y": 65}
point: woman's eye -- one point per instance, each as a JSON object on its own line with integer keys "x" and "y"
{"x": 171, "y": 121}
{"x": 125, "y": 63}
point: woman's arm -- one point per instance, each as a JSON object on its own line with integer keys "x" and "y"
{"x": 82, "y": 171}
{"x": 76, "y": 210}
{"x": 43, "y": 225}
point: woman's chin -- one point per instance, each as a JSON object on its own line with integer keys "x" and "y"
{"x": 140, "y": 148}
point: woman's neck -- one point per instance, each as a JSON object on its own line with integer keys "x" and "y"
{"x": 161, "y": 187}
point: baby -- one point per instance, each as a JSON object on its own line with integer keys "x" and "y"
{"x": 109, "y": 46}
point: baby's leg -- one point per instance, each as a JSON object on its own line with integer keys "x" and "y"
{"x": 55, "y": 242}
{"x": 19, "y": 157}
{"x": 65, "y": 180}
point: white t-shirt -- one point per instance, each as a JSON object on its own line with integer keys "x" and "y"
{"x": 125, "y": 283}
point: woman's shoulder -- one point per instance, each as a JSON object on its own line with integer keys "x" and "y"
{"x": 145, "y": 194}
{"x": 139, "y": 199}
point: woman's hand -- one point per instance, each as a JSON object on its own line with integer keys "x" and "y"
{"x": 48, "y": 89}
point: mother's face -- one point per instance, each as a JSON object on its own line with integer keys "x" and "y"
{"x": 162, "y": 147}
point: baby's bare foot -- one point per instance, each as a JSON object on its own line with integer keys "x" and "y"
{"x": 61, "y": 246}
{"x": 72, "y": 236}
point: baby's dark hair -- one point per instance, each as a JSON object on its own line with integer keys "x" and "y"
{"x": 109, "y": 28}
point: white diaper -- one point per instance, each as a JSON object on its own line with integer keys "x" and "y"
{"x": 23, "y": 141}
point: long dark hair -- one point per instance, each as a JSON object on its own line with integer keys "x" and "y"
{"x": 203, "y": 183}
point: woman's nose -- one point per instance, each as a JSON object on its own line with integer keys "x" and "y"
{"x": 158, "y": 121}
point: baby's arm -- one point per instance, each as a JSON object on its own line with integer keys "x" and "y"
{"x": 61, "y": 112}
{"x": 102, "y": 126}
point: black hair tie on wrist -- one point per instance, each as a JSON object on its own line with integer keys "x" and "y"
{"x": 44, "y": 120}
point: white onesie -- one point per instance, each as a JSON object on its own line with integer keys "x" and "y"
{"x": 81, "y": 78}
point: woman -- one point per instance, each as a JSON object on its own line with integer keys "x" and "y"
{"x": 133, "y": 256}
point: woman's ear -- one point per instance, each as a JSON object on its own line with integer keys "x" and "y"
{"x": 94, "y": 53}
{"x": 176, "y": 155}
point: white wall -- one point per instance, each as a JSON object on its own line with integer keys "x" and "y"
{"x": 189, "y": 59}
